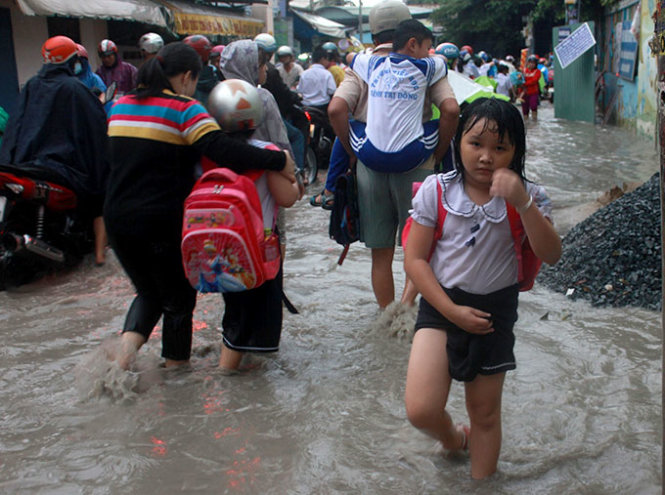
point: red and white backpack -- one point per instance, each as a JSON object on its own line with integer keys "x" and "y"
{"x": 528, "y": 264}
{"x": 225, "y": 247}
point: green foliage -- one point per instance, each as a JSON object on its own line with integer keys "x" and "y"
{"x": 496, "y": 25}
{"x": 493, "y": 25}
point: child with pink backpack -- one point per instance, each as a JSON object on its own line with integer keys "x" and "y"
{"x": 230, "y": 236}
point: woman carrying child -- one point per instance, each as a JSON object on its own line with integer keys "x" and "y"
{"x": 468, "y": 278}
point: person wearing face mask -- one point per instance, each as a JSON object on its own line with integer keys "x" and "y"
{"x": 157, "y": 134}
{"x": 85, "y": 75}
{"x": 60, "y": 126}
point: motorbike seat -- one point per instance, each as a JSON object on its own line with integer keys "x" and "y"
{"x": 38, "y": 184}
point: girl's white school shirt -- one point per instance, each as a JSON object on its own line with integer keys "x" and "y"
{"x": 476, "y": 252}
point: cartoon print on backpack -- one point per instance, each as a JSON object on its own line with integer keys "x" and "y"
{"x": 225, "y": 247}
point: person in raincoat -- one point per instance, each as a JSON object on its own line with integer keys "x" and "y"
{"x": 115, "y": 70}
{"x": 60, "y": 126}
{"x": 240, "y": 60}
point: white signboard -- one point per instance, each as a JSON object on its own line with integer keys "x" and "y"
{"x": 574, "y": 45}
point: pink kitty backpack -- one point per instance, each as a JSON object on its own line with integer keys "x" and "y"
{"x": 225, "y": 247}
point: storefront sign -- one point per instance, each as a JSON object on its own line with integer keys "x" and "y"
{"x": 210, "y": 25}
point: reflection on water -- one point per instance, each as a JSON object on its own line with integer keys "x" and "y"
{"x": 325, "y": 414}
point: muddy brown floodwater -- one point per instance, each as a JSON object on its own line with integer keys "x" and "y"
{"x": 582, "y": 412}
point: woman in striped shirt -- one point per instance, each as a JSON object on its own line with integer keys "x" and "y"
{"x": 157, "y": 135}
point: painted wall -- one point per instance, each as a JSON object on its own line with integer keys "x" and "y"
{"x": 646, "y": 108}
{"x": 636, "y": 105}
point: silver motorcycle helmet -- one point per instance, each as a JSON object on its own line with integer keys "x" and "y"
{"x": 151, "y": 42}
{"x": 236, "y": 106}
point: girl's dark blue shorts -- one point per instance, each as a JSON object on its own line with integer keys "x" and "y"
{"x": 471, "y": 354}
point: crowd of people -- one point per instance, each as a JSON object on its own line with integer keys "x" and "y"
{"x": 134, "y": 159}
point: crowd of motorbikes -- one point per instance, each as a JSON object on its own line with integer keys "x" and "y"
{"x": 40, "y": 227}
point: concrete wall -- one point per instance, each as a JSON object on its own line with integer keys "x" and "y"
{"x": 92, "y": 32}
{"x": 30, "y": 32}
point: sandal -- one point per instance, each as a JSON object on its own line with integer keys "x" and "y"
{"x": 322, "y": 200}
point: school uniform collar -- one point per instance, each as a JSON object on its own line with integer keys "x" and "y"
{"x": 456, "y": 201}
{"x": 401, "y": 56}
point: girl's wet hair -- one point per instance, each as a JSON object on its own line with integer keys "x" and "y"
{"x": 171, "y": 60}
{"x": 499, "y": 116}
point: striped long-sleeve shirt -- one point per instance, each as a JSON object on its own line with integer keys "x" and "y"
{"x": 155, "y": 143}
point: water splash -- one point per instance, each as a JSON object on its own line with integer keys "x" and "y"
{"x": 98, "y": 374}
{"x": 397, "y": 320}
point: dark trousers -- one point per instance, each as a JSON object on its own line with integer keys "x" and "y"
{"x": 155, "y": 268}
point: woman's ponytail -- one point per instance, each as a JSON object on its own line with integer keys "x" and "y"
{"x": 171, "y": 60}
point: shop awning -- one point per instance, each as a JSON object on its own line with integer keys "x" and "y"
{"x": 144, "y": 11}
{"x": 199, "y": 19}
{"x": 322, "y": 25}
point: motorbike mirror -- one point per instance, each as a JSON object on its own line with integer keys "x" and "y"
{"x": 110, "y": 91}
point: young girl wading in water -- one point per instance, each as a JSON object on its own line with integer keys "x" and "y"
{"x": 469, "y": 278}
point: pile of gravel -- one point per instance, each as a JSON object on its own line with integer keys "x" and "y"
{"x": 613, "y": 257}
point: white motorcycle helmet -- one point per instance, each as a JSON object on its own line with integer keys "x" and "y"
{"x": 284, "y": 51}
{"x": 151, "y": 42}
{"x": 266, "y": 42}
{"x": 236, "y": 105}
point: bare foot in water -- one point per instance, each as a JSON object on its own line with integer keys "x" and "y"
{"x": 130, "y": 343}
{"x": 462, "y": 433}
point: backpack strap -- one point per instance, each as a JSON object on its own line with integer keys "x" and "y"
{"x": 528, "y": 264}
{"x": 517, "y": 232}
{"x": 440, "y": 218}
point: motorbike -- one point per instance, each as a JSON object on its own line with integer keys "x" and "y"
{"x": 303, "y": 122}
{"x": 40, "y": 228}
{"x": 321, "y": 136}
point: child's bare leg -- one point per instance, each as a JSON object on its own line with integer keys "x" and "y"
{"x": 483, "y": 403}
{"x": 230, "y": 359}
{"x": 427, "y": 387}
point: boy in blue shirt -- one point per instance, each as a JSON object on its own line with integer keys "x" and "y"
{"x": 394, "y": 139}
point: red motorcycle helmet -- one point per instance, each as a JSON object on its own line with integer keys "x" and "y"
{"x": 58, "y": 50}
{"x": 106, "y": 47}
{"x": 82, "y": 52}
{"x": 218, "y": 49}
{"x": 201, "y": 44}
{"x": 467, "y": 49}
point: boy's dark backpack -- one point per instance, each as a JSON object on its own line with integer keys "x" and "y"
{"x": 345, "y": 217}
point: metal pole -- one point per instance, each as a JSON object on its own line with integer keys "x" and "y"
{"x": 360, "y": 20}
{"x": 658, "y": 49}
{"x": 270, "y": 24}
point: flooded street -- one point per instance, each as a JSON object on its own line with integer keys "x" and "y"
{"x": 325, "y": 415}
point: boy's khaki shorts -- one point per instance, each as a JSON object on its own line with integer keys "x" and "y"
{"x": 384, "y": 201}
